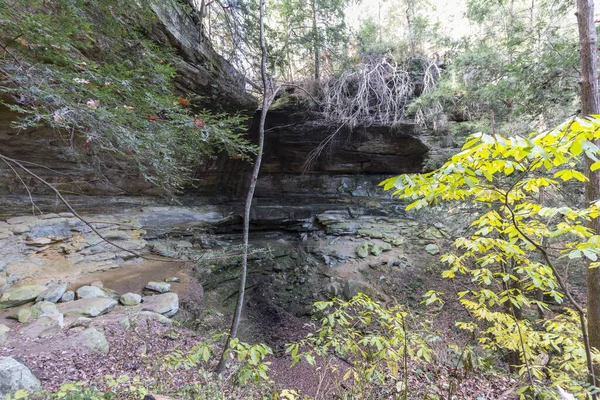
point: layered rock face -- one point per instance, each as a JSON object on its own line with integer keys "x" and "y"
{"x": 352, "y": 163}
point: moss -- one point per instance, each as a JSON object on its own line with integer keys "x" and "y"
{"x": 89, "y": 67}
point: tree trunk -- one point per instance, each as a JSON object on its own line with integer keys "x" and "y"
{"x": 590, "y": 104}
{"x": 266, "y": 103}
{"x": 315, "y": 31}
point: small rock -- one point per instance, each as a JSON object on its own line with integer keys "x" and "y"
{"x": 125, "y": 323}
{"x": 352, "y": 288}
{"x": 53, "y": 293}
{"x": 130, "y": 299}
{"x": 379, "y": 248}
{"x": 18, "y": 295}
{"x": 172, "y": 334}
{"x": 173, "y": 279}
{"x": 81, "y": 322}
{"x": 90, "y": 292}
{"x": 160, "y": 287}
{"x": 166, "y": 304}
{"x": 161, "y": 319}
{"x": 68, "y": 296}
{"x": 363, "y": 250}
{"x": 113, "y": 294}
{"x": 97, "y": 284}
{"x": 432, "y": 249}
{"x": 24, "y": 315}
{"x": 15, "y": 376}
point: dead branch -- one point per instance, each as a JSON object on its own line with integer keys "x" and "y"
{"x": 72, "y": 210}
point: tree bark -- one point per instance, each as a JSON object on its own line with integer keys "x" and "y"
{"x": 315, "y": 31}
{"x": 590, "y": 104}
{"x": 266, "y": 103}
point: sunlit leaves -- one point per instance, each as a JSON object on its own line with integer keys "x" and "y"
{"x": 506, "y": 253}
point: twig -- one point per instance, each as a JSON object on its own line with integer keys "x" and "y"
{"x": 66, "y": 203}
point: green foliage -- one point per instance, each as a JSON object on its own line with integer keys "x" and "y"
{"x": 88, "y": 69}
{"x": 251, "y": 363}
{"x": 303, "y": 27}
{"x": 518, "y": 242}
{"x": 376, "y": 343}
{"x": 515, "y": 71}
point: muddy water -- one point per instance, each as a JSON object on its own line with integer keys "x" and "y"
{"x": 133, "y": 277}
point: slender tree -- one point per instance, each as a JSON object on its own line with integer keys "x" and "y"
{"x": 268, "y": 95}
{"x": 590, "y": 104}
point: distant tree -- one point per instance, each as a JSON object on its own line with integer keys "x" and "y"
{"x": 314, "y": 27}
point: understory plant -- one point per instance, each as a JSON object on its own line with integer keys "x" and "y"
{"x": 365, "y": 346}
{"x": 521, "y": 249}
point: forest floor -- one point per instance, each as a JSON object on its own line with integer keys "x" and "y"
{"x": 140, "y": 349}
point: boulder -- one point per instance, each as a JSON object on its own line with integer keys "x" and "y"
{"x": 91, "y": 339}
{"x": 97, "y": 284}
{"x": 42, "y": 309}
{"x": 68, "y": 296}
{"x": 88, "y": 307}
{"x": 18, "y": 295}
{"x": 53, "y": 293}
{"x": 16, "y": 376}
{"x": 160, "y": 287}
{"x": 130, "y": 299}
{"x": 166, "y": 304}
{"x": 173, "y": 279}
{"x": 44, "y": 326}
{"x": 90, "y": 292}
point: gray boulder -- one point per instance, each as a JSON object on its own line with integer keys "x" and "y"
{"x": 130, "y": 299}
{"x": 68, "y": 296}
{"x": 166, "y": 304}
{"x": 44, "y": 326}
{"x": 161, "y": 287}
{"x": 53, "y": 293}
{"x": 92, "y": 339}
{"x": 88, "y": 307}
{"x": 42, "y": 309}
{"x": 90, "y": 292}
{"x": 16, "y": 376}
{"x": 16, "y": 296}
